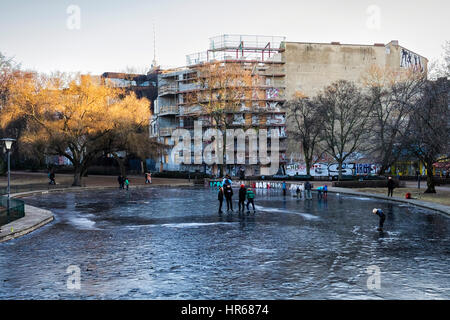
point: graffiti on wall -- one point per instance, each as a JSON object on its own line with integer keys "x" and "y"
{"x": 325, "y": 169}
{"x": 409, "y": 59}
{"x": 272, "y": 93}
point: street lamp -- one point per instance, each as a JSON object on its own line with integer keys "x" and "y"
{"x": 8, "y": 144}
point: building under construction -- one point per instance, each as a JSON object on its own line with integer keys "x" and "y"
{"x": 283, "y": 68}
{"x": 261, "y": 55}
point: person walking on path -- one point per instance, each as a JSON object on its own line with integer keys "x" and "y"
{"x": 228, "y": 196}
{"x": 284, "y": 188}
{"x": 308, "y": 188}
{"x": 325, "y": 191}
{"x": 382, "y": 216}
{"x": 220, "y": 198}
{"x": 242, "y": 194}
{"x": 148, "y": 178}
{"x": 127, "y": 183}
{"x": 250, "y": 199}
{"x": 391, "y": 186}
{"x": 52, "y": 178}
{"x": 120, "y": 181}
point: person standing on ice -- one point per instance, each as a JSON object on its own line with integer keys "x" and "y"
{"x": 382, "y": 216}
{"x": 220, "y": 198}
{"x": 228, "y": 196}
{"x": 242, "y": 193}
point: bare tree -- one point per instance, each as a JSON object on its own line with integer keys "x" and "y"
{"x": 391, "y": 96}
{"x": 345, "y": 112}
{"x": 306, "y": 126}
{"x": 428, "y": 134}
{"x": 441, "y": 67}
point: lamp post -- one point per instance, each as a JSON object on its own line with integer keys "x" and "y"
{"x": 8, "y": 144}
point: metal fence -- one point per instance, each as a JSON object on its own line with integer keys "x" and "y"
{"x": 16, "y": 210}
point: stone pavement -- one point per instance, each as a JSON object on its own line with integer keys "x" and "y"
{"x": 34, "y": 219}
{"x": 21, "y": 178}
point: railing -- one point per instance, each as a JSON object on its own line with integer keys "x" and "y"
{"x": 166, "y": 132}
{"x": 168, "y": 110}
{"x": 167, "y": 89}
{"x": 16, "y": 210}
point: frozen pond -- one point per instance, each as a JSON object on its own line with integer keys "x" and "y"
{"x": 170, "y": 243}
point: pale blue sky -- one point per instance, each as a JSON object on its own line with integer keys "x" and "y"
{"x": 115, "y": 34}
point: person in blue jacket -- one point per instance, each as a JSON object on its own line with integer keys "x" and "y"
{"x": 382, "y": 216}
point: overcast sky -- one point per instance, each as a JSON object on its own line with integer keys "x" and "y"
{"x": 111, "y": 35}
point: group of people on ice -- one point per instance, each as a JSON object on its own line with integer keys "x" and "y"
{"x": 247, "y": 193}
{"x": 226, "y": 191}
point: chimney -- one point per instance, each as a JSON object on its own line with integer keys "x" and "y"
{"x": 394, "y": 42}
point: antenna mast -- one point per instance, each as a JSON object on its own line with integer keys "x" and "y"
{"x": 154, "y": 46}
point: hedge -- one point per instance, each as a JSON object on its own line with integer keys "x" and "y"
{"x": 366, "y": 184}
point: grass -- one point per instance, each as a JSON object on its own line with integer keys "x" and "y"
{"x": 441, "y": 196}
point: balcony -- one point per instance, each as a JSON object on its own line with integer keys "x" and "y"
{"x": 191, "y": 110}
{"x": 168, "y": 110}
{"x": 166, "y": 132}
{"x": 167, "y": 89}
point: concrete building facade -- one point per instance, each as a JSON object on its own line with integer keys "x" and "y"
{"x": 312, "y": 66}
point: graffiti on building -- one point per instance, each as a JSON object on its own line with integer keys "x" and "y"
{"x": 272, "y": 93}
{"x": 329, "y": 170}
{"x": 273, "y": 106}
{"x": 409, "y": 59}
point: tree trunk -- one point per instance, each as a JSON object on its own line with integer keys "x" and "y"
{"x": 383, "y": 169}
{"x": 340, "y": 170}
{"x": 224, "y": 155}
{"x": 123, "y": 171}
{"x": 121, "y": 163}
{"x": 308, "y": 166}
{"x": 144, "y": 166}
{"x": 430, "y": 182}
{"x": 77, "y": 176}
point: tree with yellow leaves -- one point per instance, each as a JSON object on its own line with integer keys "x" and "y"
{"x": 73, "y": 116}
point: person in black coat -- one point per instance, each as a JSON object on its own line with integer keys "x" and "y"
{"x": 228, "y": 196}
{"x": 242, "y": 193}
{"x": 391, "y": 186}
{"x": 220, "y": 198}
